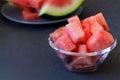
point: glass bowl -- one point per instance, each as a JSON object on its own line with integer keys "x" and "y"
{"x": 82, "y": 62}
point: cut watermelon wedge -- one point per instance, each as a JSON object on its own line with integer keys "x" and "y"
{"x": 58, "y": 8}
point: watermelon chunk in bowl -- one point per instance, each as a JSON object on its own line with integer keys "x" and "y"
{"x": 82, "y": 45}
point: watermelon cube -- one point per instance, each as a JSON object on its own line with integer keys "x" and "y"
{"x": 82, "y": 48}
{"x": 65, "y": 43}
{"x": 75, "y": 19}
{"x": 87, "y": 34}
{"x": 28, "y": 15}
{"x": 95, "y": 26}
{"x": 75, "y": 32}
{"x": 85, "y": 23}
{"x": 101, "y": 20}
{"x": 86, "y": 28}
{"x": 36, "y": 4}
{"x": 57, "y": 33}
{"x": 82, "y": 62}
{"x": 99, "y": 40}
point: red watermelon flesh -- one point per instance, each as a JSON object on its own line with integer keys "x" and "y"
{"x": 94, "y": 25}
{"x": 86, "y": 28}
{"x": 75, "y": 19}
{"x": 59, "y": 3}
{"x": 36, "y": 4}
{"x": 65, "y": 43}
{"x": 75, "y": 32}
{"x": 101, "y": 20}
{"x": 99, "y": 40}
{"x": 57, "y": 33}
{"x": 28, "y": 3}
{"x": 28, "y": 15}
{"x": 87, "y": 34}
{"x": 81, "y": 62}
{"x": 86, "y": 23}
{"x": 82, "y": 48}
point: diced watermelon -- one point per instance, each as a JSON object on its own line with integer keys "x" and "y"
{"x": 28, "y": 15}
{"x": 82, "y": 62}
{"x": 86, "y": 23}
{"x": 75, "y": 32}
{"x": 82, "y": 48}
{"x": 28, "y": 3}
{"x": 99, "y": 40}
{"x": 36, "y": 3}
{"x": 86, "y": 28}
{"x": 101, "y": 20}
{"x": 95, "y": 26}
{"x": 87, "y": 34}
{"x": 65, "y": 43}
{"x": 75, "y": 19}
{"x": 57, "y": 33}
{"x": 82, "y": 37}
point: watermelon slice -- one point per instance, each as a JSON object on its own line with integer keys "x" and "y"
{"x": 82, "y": 62}
{"x": 99, "y": 40}
{"x": 75, "y": 31}
{"x": 58, "y": 8}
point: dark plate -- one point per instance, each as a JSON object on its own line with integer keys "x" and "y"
{"x": 14, "y": 14}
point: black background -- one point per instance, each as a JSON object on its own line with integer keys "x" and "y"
{"x": 26, "y": 55}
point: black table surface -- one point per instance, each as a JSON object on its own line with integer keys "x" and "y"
{"x": 26, "y": 55}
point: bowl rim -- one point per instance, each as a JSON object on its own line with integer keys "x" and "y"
{"x": 104, "y": 51}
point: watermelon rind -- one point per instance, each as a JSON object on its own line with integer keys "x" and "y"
{"x": 50, "y": 10}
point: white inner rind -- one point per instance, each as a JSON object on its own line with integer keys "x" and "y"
{"x": 60, "y": 11}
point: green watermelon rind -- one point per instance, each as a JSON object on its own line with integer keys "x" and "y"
{"x": 60, "y": 11}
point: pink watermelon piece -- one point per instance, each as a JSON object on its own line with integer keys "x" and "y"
{"x": 101, "y": 20}
{"x": 75, "y": 32}
{"x": 99, "y": 40}
{"x": 86, "y": 28}
{"x": 87, "y": 34}
{"x": 36, "y": 4}
{"x": 65, "y": 43}
{"x": 81, "y": 62}
{"x": 95, "y": 26}
{"x": 82, "y": 48}
{"x": 85, "y": 23}
{"x": 28, "y": 8}
{"x": 57, "y": 33}
{"x": 28, "y": 15}
{"x": 75, "y": 19}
